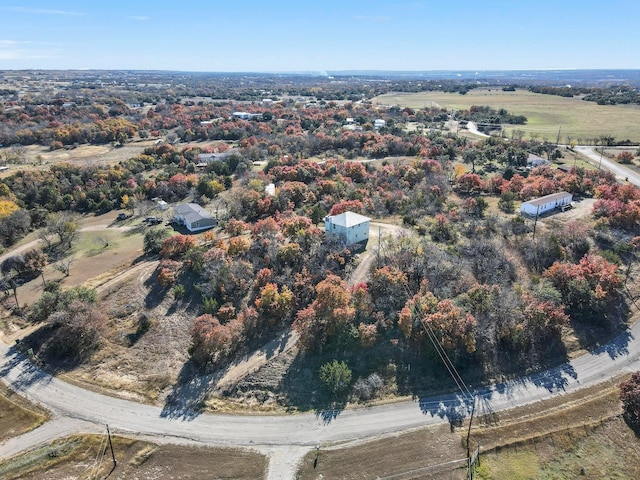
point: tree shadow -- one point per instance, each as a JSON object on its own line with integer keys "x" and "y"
{"x": 326, "y": 416}
{"x": 616, "y": 347}
{"x": 187, "y": 397}
{"x": 453, "y": 407}
{"x": 156, "y": 292}
{"x": 29, "y": 373}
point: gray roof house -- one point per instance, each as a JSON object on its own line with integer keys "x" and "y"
{"x": 193, "y": 217}
{"x": 351, "y": 227}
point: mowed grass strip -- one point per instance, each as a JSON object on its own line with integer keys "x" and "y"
{"x": 578, "y": 119}
{"x": 17, "y": 415}
{"x": 89, "y": 456}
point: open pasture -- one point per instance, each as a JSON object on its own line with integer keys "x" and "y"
{"x": 578, "y": 119}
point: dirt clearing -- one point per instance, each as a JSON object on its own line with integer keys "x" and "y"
{"x": 81, "y": 457}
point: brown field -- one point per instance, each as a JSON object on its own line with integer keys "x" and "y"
{"x": 81, "y": 457}
{"x": 36, "y": 156}
{"x": 551, "y": 439}
{"x": 578, "y": 119}
{"x": 17, "y": 415}
{"x": 419, "y": 454}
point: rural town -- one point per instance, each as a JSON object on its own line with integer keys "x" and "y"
{"x": 356, "y": 274}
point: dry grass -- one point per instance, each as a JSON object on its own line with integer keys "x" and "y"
{"x": 37, "y": 157}
{"x": 522, "y": 443}
{"x": 17, "y": 415}
{"x": 75, "y": 458}
{"x": 545, "y": 113}
{"x": 414, "y": 455}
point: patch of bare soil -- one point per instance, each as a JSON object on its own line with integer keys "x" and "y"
{"x": 135, "y": 362}
{"x": 35, "y": 156}
{"x": 89, "y": 456}
{"x": 433, "y": 452}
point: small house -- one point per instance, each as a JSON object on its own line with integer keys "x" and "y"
{"x": 540, "y": 205}
{"x": 379, "y": 123}
{"x": 534, "y": 161}
{"x": 241, "y": 115}
{"x": 193, "y": 217}
{"x": 351, "y": 227}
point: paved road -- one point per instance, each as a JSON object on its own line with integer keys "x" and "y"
{"x": 286, "y": 438}
{"x": 620, "y": 171}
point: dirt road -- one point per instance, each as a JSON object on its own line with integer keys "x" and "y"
{"x": 376, "y": 230}
{"x": 622, "y": 172}
{"x": 287, "y": 437}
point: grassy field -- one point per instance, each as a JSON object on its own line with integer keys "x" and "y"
{"x": 82, "y": 457}
{"x": 17, "y": 415}
{"x": 577, "y": 118}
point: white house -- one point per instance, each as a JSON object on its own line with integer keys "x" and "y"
{"x": 193, "y": 217}
{"x": 242, "y": 115}
{"x": 350, "y": 226}
{"x": 379, "y": 123}
{"x": 534, "y": 161}
{"x": 538, "y": 206}
{"x": 214, "y": 157}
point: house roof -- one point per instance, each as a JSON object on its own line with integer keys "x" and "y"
{"x": 348, "y": 219}
{"x": 548, "y": 198}
{"x": 192, "y": 212}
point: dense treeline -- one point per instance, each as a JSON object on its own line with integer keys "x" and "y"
{"x": 618, "y": 95}
{"x": 485, "y": 114}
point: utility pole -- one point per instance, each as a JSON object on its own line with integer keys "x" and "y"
{"x": 113, "y": 456}
{"x": 378, "y": 250}
{"x": 471, "y": 459}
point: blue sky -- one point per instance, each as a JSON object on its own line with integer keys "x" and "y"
{"x": 288, "y": 35}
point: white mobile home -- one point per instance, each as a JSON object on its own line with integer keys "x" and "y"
{"x": 349, "y": 226}
{"x": 193, "y": 217}
{"x": 538, "y": 206}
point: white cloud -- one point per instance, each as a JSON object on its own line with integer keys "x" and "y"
{"x": 139, "y": 18}
{"x": 26, "y": 50}
{"x": 40, "y": 11}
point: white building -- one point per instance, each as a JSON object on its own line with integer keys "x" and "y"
{"x": 538, "y": 206}
{"x": 379, "y": 123}
{"x": 350, "y": 226}
{"x": 193, "y": 217}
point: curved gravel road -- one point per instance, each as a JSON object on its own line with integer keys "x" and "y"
{"x": 286, "y": 438}
{"x": 620, "y": 171}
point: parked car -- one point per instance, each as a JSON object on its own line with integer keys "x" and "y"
{"x": 153, "y": 220}
{"x": 122, "y": 216}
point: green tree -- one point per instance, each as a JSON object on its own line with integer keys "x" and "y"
{"x": 335, "y": 376}
{"x": 153, "y": 240}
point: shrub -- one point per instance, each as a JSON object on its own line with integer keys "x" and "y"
{"x": 630, "y": 396}
{"x": 367, "y": 388}
{"x": 335, "y": 376}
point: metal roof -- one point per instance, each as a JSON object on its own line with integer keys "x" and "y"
{"x": 549, "y": 198}
{"x": 348, "y": 219}
{"x": 192, "y": 212}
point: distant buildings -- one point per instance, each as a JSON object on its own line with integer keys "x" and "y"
{"x": 349, "y": 226}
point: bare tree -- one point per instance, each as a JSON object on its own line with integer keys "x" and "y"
{"x": 64, "y": 265}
